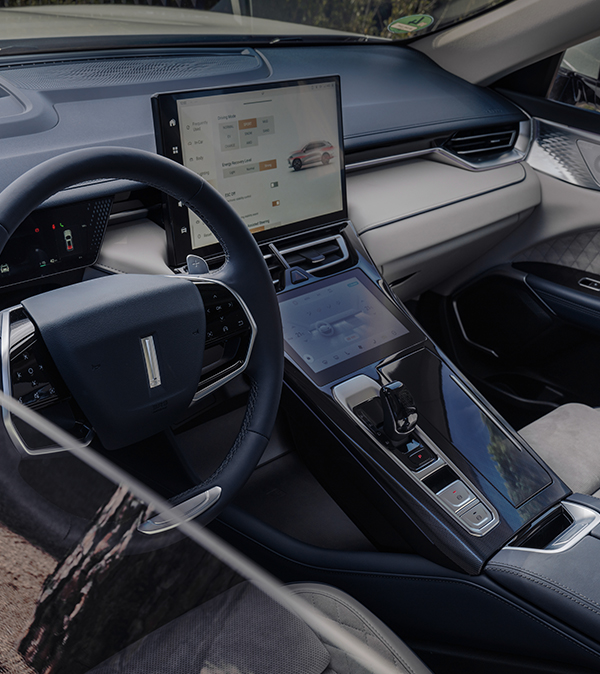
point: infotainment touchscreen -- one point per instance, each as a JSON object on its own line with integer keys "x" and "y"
{"x": 274, "y": 151}
{"x": 340, "y": 324}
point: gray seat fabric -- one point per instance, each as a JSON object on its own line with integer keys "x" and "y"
{"x": 242, "y": 631}
{"x": 568, "y": 440}
{"x": 363, "y": 625}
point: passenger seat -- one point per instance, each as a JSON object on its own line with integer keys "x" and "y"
{"x": 568, "y": 440}
{"x": 243, "y": 631}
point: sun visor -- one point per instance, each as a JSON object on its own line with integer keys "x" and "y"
{"x": 129, "y": 348}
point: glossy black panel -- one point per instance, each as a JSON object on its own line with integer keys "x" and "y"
{"x": 442, "y": 402}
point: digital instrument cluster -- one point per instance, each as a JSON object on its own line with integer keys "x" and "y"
{"x": 54, "y": 240}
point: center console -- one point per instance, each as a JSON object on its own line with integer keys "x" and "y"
{"x": 454, "y": 469}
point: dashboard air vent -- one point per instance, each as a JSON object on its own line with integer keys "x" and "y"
{"x": 275, "y": 268}
{"x": 483, "y": 142}
{"x": 317, "y": 255}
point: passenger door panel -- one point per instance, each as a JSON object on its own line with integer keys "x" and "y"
{"x": 528, "y": 331}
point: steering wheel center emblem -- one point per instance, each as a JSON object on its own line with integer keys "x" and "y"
{"x": 151, "y": 360}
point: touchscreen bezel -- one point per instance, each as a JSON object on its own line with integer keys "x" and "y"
{"x": 168, "y": 138}
{"x": 411, "y": 338}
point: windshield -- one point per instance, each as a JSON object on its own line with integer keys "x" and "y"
{"x": 234, "y": 20}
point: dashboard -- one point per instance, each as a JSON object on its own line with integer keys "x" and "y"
{"x": 405, "y": 122}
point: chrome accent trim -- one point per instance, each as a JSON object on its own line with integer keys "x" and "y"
{"x": 267, "y": 257}
{"x": 517, "y": 154}
{"x": 6, "y": 388}
{"x": 464, "y": 332}
{"x": 556, "y": 151}
{"x": 151, "y": 360}
{"x": 185, "y": 512}
{"x": 335, "y": 237}
{"x": 584, "y": 520}
{"x": 253, "y": 330}
{"x": 277, "y": 255}
{"x": 123, "y": 216}
{"x": 589, "y": 286}
{"x": 361, "y": 388}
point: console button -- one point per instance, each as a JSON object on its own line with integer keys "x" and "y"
{"x": 456, "y": 495}
{"x": 477, "y": 516}
{"x": 420, "y": 457}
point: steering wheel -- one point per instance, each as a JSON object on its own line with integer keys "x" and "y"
{"x": 130, "y": 347}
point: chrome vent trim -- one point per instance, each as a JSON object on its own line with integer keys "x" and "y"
{"x": 276, "y": 270}
{"x": 482, "y": 143}
{"x": 510, "y": 156}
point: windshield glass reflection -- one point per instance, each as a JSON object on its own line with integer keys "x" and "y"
{"x": 397, "y": 20}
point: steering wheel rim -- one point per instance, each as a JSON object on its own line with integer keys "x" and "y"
{"x": 244, "y": 270}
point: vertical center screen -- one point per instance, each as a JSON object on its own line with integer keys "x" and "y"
{"x": 272, "y": 153}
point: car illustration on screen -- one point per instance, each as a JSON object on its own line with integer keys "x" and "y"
{"x": 316, "y": 152}
{"x": 68, "y": 239}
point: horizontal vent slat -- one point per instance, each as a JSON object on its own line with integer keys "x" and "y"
{"x": 483, "y": 141}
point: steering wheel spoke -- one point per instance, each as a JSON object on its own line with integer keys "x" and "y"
{"x": 230, "y": 335}
{"x": 30, "y": 375}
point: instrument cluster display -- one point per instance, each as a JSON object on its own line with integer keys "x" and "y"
{"x": 54, "y": 240}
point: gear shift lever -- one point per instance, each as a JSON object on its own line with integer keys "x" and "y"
{"x": 399, "y": 412}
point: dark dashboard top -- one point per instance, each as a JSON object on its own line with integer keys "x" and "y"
{"x": 390, "y": 95}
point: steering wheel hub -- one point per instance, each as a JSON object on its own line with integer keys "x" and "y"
{"x": 129, "y": 348}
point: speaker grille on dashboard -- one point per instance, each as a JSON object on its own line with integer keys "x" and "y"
{"x": 119, "y": 71}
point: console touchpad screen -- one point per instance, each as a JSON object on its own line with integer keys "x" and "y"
{"x": 332, "y": 324}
